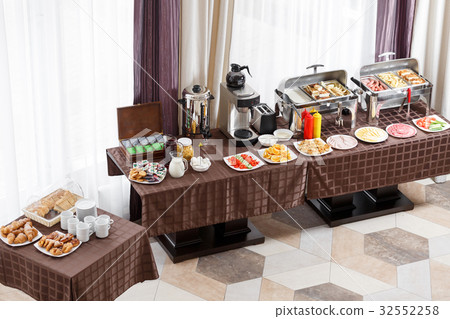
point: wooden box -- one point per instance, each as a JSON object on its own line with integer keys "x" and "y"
{"x": 140, "y": 120}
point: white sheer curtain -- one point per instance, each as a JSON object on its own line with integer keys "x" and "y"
{"x": 431, "y": 46}
{"x": 280, "y": 38}
{"x": 61, "y": 79}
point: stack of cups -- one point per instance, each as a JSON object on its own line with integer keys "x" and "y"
{"x": 100, "y": 225}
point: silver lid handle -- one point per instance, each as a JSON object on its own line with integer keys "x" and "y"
{"x": 315, "y": 66}
{"x": 386, "y": 55}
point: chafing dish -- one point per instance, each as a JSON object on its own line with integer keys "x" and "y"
{"x": 310, "y": 91}
{"x": 392, "y": 93}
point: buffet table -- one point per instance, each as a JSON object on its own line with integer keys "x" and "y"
{"x": 101, "y": 269}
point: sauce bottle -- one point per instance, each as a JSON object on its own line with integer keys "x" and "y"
{"x": 309, "y": 126}
{"x": 317, "y": 125}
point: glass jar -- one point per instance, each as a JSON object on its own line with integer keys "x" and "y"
{"x": 187, "y": 148}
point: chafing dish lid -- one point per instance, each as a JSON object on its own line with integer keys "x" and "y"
{"x": 391, "y": 65}
{"x": 340, "y": 75}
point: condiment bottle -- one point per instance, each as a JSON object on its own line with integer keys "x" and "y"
{"x": 309, "y": 126}
{"x": 304, "y": 113}
{"x": 317, "y": 125}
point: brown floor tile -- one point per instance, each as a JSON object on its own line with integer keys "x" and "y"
{"x": 326, "y": 292}
{"x": 279, "y": 231}
{"x": 433, "y": 213}
{"x": 440, "y": 280}
{"x": 232, "y": 266}
{"x": 346, "y": 243}
{"x": 272, "y": 291}
{"x": 184, "y": 276}
{"x": 438, "y": 194}
{"x": 396, "y": 246}
{"x": 304, "y": 215}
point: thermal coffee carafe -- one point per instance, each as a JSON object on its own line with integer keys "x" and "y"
{"x": 237, "y": 100}
{"x": 196, "y": 111}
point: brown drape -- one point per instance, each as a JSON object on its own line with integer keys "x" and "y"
{"x": 395, "y": 20}
{"x": 156, "y": 33}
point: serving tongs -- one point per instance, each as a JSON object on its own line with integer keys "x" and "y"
{"x": 408, "y": 97}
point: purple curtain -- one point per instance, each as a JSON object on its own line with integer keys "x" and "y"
{"x": 156, "y": 30}
{"x": 394, "y": 27}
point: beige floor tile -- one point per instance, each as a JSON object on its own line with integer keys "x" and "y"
{"x": 270, "y": 247}
{"x": 420, "y": 226}
{"x": 395, "y": 294}
{"x": 415, "y": 278}
{"x": 439, "y": 246}
{"x": 5, "y": 289}
{"x": 355, "y": 281}
{"x": 159, "y": 255}
{"x": 244, "y": 291}
{"x": 290, "y": 260}
{"x": 346, "y": 243}
{"x": 317, "y": 241}
{"x": 16, "y": 296}
{"x": 426, "y": 181}
{"x": 440, "y": 280}
{"x": 414, "y": 191}
{"x": 184, "y": 276}
{"x": 372, "y": 267}
{"x": 273, "y": 291}
{"x": 279, "y": 231}
{"x": 432, "y": 213}
{"x": 373, "y": 224}
{"x": 144, "y": 291}
{"x": 443, "y": 260}
{"x": 168, "y": 292}
{"x": 304, "y": 277}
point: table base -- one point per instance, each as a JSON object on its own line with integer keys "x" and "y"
{"x": 209, "y": 240}
{"x": 359, "y": 206}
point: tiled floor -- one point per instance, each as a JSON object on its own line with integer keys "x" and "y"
{"x": 405, "y": 256}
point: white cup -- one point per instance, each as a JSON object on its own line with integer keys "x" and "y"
{"x": 83, "y": 232}
{"x": 72, "y": 225}
{"x": 85, "y": 207}
{"x": 102, "y": 228}
{"x": 65, "y": 216}
{"x": 106, "y": 217}
{"x": 91, "y": 221}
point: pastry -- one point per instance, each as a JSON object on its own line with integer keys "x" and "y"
{"x": 67, "y": 248}
{"x": 20, "y": 239}
{"x": 56, "y": 251}
{"x": 29, "y": 231}
{"x": 66, "y": 238}
{"x": 11, "y": 238}
{"x": 75, "y": 242}
{"x": 41, "y": 242}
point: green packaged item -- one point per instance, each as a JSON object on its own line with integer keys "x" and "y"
{"x": 140, "y": 149}
{"x": 131, "y": 150}
{"x": 157, "y": 146}
{"x": 148, "y": 148}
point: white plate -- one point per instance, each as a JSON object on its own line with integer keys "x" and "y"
{"x": 261, "y": 163}
{"x": 343, "y": 148}
{"x": 44, "y": 251}
{"x": 283, "y": 130}
{"x": 415, "y": 131}
{"x": 146, "y": 182}
{"x": 437, "y": 119}
{"x": 382, "y": 139}
{"x": 261, "y": 154}
{"x": 296, "y": 144}
{"x": 39, "y": 235}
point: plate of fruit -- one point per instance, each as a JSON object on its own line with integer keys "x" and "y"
{"x": 277, "y": 154}
{"x": 431, "y": 123}
{"x": 243, "y": 162}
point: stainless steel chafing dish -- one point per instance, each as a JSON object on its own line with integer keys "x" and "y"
{"x": 293, "y": 95}
{"x": 391, "y": 96}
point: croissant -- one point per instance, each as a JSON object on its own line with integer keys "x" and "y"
{"x": 4, "y": 231}
{"x": 15, "y": 225}
{"x": 11, "y": 238}
{"x": 30, "y": 233}
{"x": 20, "y": 239}
{"x": 56, "y": 251}
{"x": 67, "y": 248}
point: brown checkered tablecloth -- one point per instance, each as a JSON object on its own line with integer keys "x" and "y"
{"x": 370, "y": 166}
{"x": 100, "y": 269}
{"x": 216, "y": 196}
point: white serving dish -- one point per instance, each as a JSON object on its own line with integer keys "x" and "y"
{"x": 261, "y": 163}
{"x": 200, "y": 169}
{"x": 296, "y": 145}
{"x": 267, "y": 140}
{"x": 382, "y": 139}
{"x": 438, "y": 118}
{"x": 286, "y": 134}
{"x": 261, "y": 154}
{"x": 415, "y": 131}
{"x": 44, "y": 251}
{"x": 343, "y": 148}
{"x": 38, "y": 236}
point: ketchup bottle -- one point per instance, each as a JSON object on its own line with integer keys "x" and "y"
{"x": 308, "y": 127}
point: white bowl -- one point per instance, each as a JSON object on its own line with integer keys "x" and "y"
{"x": 200, "y": 169}
{"x": 267, "y": 140}
{"x": 283, "y": 134}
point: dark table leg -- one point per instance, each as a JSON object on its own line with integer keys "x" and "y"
{"x": 208, "y": 240}
{"x": 135, "y": 205}
{"x": 363, "y": 205}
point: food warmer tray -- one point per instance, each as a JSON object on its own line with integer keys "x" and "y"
{"x": 291, "y": 110}
{"x": 393, "y": 97}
